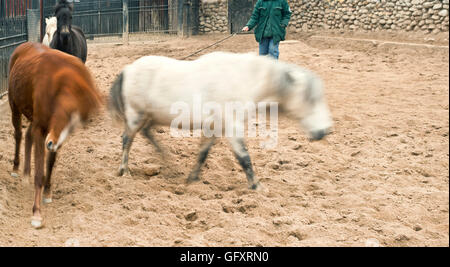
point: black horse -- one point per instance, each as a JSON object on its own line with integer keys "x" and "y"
{"x": 68, "y": 38}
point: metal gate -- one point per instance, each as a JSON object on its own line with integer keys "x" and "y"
{"x": 95, "y": 17}
{"x": 105, "y": 17}
{"x": 13, "y": 32}
{"x": 239, "y": 12}
{"x": 152, "y": 16}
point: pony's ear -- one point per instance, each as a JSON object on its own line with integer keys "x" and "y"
{"x": 46, "y": 20}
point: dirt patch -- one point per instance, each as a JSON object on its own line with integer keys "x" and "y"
{"x": 382, "y": 175}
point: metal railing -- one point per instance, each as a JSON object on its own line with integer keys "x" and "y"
{"x": 105, "y": 17}
{"x": 97, "y": 18}
{"x": 13, "y": 32}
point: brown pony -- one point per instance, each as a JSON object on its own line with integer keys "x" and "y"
{"x": 54, "y": 91}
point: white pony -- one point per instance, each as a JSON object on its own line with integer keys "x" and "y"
{"x": 144, "y": 92}
{"x": 50, "y": 29}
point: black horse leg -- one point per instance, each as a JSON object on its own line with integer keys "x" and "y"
{"x": 147, "y": 134}
{"x": 241, "y": 154}
{"x": 205, "y": 146}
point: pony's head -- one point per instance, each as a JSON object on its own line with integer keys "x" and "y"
{"x": 50, "y": 28}
{"x": 63, "y": 13}
{"x": 304, "y": 100}
{"x": 72, "y": 105}
{"x": 60, "y": 129}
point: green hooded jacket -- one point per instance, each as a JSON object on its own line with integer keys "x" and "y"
{"x": 270, "y": 17}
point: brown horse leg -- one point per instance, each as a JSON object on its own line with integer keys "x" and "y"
{"x": 39, "y": 155}
{"x": 51, "y": 157}
{"x": 17, "y": 123}
{"x": 28, "y": 145}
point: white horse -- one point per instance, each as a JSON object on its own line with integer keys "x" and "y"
{"x": 50, "y": 29}
{"x": 142, "y": 96}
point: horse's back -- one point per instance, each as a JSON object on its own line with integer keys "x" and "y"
{"x": 38, "y": 73}
{"x": 154, "y": 83}
{"x": 22, "y": 66}
{"x": 26, "y": 50}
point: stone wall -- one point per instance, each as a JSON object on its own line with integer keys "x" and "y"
{"x": 369, "y": 15}
{"x": 213, "y": 16}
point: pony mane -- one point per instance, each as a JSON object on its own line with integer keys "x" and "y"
{"x": 51, "y": 21}
{"x": 63, "y": 4}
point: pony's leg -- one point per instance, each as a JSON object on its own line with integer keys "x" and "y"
{"x": 241, "y": 153}
{"x": 205, "y": 146}
{"x": 17, "y": 123}
{"x": 39, "y": 155}
{"x": 51, "y": 158}
{"x": 135, "y": 122}
{"x": 147, "y": 134}
{"x": 28, "y": 145}
{"x": 127, "y": 141}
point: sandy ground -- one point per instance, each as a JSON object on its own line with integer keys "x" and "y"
{"x": 381, "y": 176}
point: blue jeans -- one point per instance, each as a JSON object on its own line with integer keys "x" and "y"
{"x": 267, "y": 47}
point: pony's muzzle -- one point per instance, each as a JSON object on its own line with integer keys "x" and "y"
{"x": 65, "y": 33}
{"x": 50, "y": 146}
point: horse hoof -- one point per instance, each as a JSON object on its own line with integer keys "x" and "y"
{"x": 47, "y": 200}
{"x": 192, "y": 179}
{"x": 258, "y": 187}
{"x": 123, "y": 172}
{"x": 36, "y": 222}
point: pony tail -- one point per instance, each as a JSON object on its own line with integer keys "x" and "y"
{"x": 116, "y": 104}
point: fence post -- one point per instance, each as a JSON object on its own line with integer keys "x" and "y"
{"x": 125, "y": 37}
{"x": 42, "y": 30}
{"x": 185, "y": 18}
{"x": 180, "y": 4}
{"x": 195, "y": 18}
{"x": 33, "y": 25}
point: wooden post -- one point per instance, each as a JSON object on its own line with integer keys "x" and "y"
{"x": 180, "y": 5}
{"x": 42, "y": 20}
{"x": 186, "y": 19}
{"x": 125, "y": 37}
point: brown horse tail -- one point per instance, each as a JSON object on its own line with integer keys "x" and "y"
{"x": 116, "y": 104}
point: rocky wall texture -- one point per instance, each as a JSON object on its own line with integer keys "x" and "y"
{"x": 213, "y": 16}
{"x": 369, "y": 15}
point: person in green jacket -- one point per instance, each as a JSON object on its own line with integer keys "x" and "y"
{"x": 270, "y": 17}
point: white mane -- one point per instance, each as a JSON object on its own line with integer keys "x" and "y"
{"x": 50, "y": 29}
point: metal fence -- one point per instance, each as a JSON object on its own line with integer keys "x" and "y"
{"x": 97, "y": 18}
{"x": 154, "y": 16}
{"x": 105, "y": 17}
{"x": 13, "y": 32}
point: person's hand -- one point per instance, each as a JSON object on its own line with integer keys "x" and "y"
{"x": 245, "y": 29}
